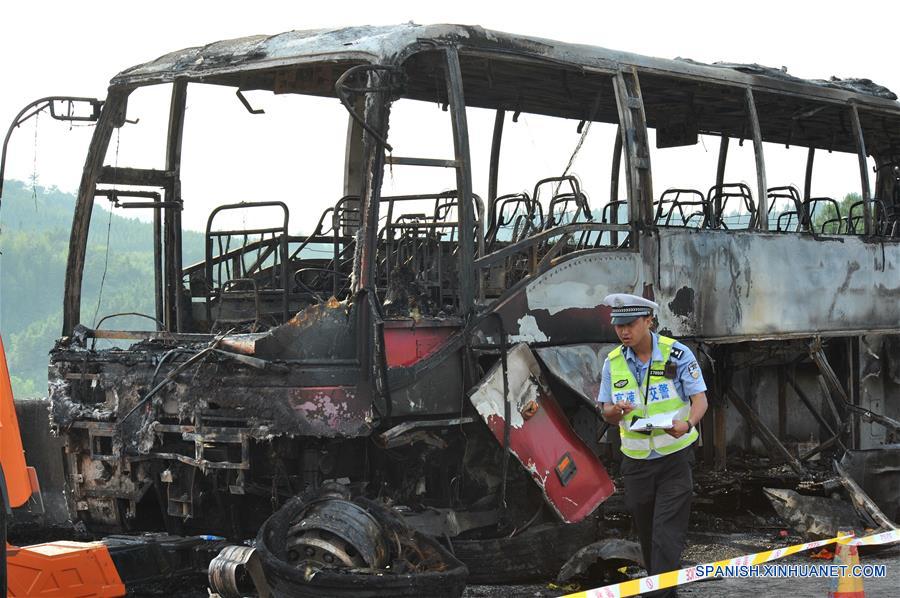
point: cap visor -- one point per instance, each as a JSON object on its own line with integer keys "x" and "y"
{"x": 620, "y": 320}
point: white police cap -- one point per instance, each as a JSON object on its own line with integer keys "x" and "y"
{"x": 627, "y": 308}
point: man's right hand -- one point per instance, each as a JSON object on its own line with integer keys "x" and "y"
{"x": 626, "y": 407}
{"x": 614, "y": 412}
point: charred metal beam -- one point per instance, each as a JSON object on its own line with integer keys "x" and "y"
{"x": 353, "y": 171}
{"x": 634, "y": 142}
{"x": 822, "y": 446}
{"x": 379, "y": 357}
{"x": 722, "y": 161}
{"x": 253, "y": 362}
{"x": 158, "y": 284}
{"x": 818, "y": 416}
{"x": 807, "y": 181}
{"x": 764, "y": 433}
{"x": 142, "y": 335}
{"x": 136, "y": 177}
{"x": 861, "y": 500}
{"x": 557, "y": 231}
{"x": 494, "y": 170}
{"x": 615, "y": 171}
{"x": 614, "y": 183}
{"x": 720, "y": 171}
{"x": 173, "y": 315}
{"x": 852, "y": 357}
{"x": 377, "y": 110}
{"x": 782, "y": 402}
{"x": 409, "y": 161}
{"x": 863, "y": 169}
{"x": 110, "y": 116}
{"x": 830, "y": 400}
{"x": 376, "y": 93}
{"x": 832, "y": 382}
{"x": 467, "y": 279}
{"x": 762, "y": 204}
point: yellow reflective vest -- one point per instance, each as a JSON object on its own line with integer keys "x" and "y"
{"x": 659, "y": 395}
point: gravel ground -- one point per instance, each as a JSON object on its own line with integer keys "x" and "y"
{"x": 709, "y": 547}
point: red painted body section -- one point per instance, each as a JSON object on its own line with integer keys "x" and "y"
{"x": 541, "y": 444}
{"x": 405, "y": 345}
{"x": 542, "y": 439}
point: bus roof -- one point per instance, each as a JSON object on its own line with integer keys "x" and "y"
{"x": 393, "y": 44}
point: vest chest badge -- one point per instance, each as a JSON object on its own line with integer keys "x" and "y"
{"x": 620, "y": 383}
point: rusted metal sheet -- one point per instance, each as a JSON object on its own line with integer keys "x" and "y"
{"x": 572, "y": 479}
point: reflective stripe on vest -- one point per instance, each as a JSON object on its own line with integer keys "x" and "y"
{"x": 662, "y": 397}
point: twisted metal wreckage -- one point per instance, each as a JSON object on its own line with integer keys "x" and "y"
{"x": 270, "y": 371}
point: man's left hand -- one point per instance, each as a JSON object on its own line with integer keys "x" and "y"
{"x": 679, "y": 429}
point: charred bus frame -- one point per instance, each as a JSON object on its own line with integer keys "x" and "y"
{"x": 382, "y": 354}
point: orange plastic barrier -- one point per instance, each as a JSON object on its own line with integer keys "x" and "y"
{"x": 62, "y": 570}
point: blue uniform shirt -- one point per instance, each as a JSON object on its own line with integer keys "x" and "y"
{"x": 688, "y": 377}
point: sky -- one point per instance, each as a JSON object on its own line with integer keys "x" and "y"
{"x": 294, "y": 152}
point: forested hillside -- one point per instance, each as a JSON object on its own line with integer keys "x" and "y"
{"x": 34, "y": 240}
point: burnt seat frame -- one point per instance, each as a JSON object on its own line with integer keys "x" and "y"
{"x": 672, "y": 198}
{"x": 720, "y": 195}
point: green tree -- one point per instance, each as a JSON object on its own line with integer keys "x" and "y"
{"x": 832, "y": 218}
{"x": 34, "y": 243}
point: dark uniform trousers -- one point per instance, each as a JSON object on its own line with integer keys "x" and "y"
{"x": 658, "y": 494}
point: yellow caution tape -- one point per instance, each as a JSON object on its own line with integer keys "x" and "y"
{"x": 670, "y": 579}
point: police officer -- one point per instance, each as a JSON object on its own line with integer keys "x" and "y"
{"x": 652, "y": 375}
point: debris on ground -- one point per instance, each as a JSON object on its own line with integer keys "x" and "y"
{"x": 325, "y": 543}
{"x": 814, "y": 517}
{"x": 601, "y": 561}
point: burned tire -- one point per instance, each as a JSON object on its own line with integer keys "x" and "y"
{"x": 445, "y": 577}
{"x": 534, "y": 555}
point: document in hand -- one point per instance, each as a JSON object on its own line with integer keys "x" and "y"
{"x": 660, "y": 421}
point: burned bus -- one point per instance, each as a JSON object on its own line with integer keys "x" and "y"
{"x": 439, "y": 347}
